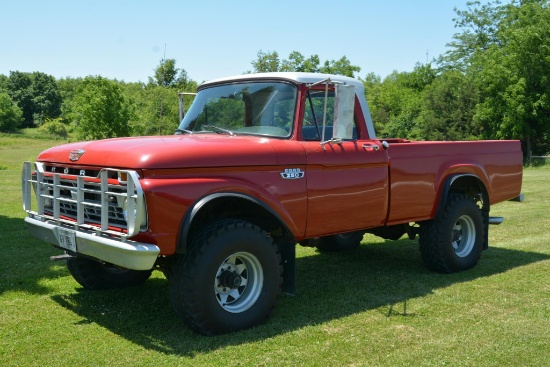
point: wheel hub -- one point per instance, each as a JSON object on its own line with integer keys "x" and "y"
{"x": 230, "y": 279}
{"x": 238, "y": 283}
{"x": 457, "y": 235}
{"x": 463, "y": 236}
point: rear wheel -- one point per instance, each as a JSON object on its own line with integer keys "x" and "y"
{"x": 95, "y": 275}
{"x": 453, "y": 241}
{"x": 229, "y": 279}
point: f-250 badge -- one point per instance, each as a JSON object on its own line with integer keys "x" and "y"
{"x": 292, "y": 173}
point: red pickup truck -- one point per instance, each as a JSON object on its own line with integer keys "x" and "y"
{"x": 259, "y": 163}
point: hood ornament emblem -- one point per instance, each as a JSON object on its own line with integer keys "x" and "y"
{"x": 75, "y": 155}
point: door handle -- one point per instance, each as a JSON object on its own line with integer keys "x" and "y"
{"x": 371, "y": 147}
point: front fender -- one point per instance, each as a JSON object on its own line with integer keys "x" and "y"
{"x": 284, "y": 219}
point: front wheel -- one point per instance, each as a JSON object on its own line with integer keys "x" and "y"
{"x": 229, "y": 279}
{"x": 453, "y": 241}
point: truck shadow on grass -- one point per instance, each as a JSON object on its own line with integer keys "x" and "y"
{"x": 22, "y": 265}
{"x": 330, "y": 286}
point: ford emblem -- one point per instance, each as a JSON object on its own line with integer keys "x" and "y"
{"x": 75, "y": 155}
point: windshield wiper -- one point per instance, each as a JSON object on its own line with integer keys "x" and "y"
{"x": 183, "y": 131}
{"x": 219, "y": 130}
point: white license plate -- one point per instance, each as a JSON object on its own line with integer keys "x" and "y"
{"x": 67, "y": 239}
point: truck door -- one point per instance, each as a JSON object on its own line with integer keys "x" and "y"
{"x": 347, "y": 183}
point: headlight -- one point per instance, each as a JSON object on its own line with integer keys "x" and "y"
{"x": 125, "y": 209}
{"x": 123, "y": 204}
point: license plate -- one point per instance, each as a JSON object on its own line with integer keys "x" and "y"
{"x": 67, "y": 239}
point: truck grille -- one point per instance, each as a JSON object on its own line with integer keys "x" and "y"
{"x": 92, "y": 202}
{"x": 100, "y": 203}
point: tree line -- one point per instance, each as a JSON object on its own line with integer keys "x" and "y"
{"x": 93, "y": 107}
{"x": 492, "y": 83}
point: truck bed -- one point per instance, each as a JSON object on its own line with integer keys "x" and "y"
{"x": 418, "y": 170}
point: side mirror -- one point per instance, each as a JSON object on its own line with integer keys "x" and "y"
{"x": 344, "y": 107}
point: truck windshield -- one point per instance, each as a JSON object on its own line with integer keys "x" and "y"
{"x": 265, "y": 108}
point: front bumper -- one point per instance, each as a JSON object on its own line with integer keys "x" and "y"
{"x": 127, "y": 254}
{"x": 81, "y": 214}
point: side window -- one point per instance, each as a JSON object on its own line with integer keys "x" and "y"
{"x": 312, "y": 123}
{"x": 283, "y": 113}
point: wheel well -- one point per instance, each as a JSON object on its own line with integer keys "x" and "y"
{"x": 223, "y": 206}
{"x": 471, "y": 186}
{"x": 237, "y": 206}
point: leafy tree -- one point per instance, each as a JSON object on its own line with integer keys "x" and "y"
{"x": 340, "y": 67}
{"x": 398, "y": 106}
{"x": 505, "y": 50}
{"x": 422, "y": 76}
{"x": 54, "y": 127}
{"x": 448, "y": 108}
{"x": 479, "y": 26}
{"x": 4, "y": 83}
{"x": 10, "y": 114}
{"x": 36, "y": 94}
{"x": 154, "y": 106}
{"x": 270, "y": 62}
{"x": 67, "y": 88}
{"x": 396, "y": 102}
{"x": 373, "y": 86}
{"x": 167, "y": 75}
{"x": 267, "y": 62}
{"x": 46, "y": 97}
{"x": 513, "y": 76}
{"x": 297, "y": 62}
{"x": 99, "y": 109}
{"x": 20, "y": 91}
{"x": 146, "y": 118}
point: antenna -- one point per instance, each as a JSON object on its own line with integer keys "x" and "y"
{"x": 162, "y": 88}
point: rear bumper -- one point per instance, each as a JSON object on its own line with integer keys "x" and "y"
{"x": 496, "y": 220}
{"x": 127, "y": 254}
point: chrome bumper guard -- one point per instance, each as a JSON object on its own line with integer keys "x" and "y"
{"x": 82, "y": 235}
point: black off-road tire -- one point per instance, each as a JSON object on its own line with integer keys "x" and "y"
{"x": 453, "y": 240}
{"x": 229, "y": 279}
{"x": 94, "y": 275}
{"x": 339, "y": 242}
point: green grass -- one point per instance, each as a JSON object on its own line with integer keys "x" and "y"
{"x": 17, "y": 148}
{"x": 374, "y": 306}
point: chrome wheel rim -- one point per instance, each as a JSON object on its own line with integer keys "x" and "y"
{"x": 463, "y": 236}
{"x": 239, "y": 281}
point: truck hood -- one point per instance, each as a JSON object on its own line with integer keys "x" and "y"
{"x": 162, "y": 152}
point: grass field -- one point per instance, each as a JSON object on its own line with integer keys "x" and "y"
{"x": 374, "y": 306}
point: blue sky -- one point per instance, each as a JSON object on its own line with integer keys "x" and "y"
{"x": 209, "y": 39}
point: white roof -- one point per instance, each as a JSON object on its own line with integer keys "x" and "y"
{"x": 290, "y": 76}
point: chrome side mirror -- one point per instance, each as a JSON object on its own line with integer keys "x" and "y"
{"x": 344, "y": 107}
